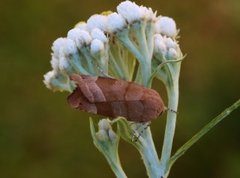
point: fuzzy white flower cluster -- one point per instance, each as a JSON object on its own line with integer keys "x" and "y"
{"x": 111, "y": 43}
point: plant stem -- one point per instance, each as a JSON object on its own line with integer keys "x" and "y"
{"x": 149, "y": 155}
{"x": 203, "y": 131}
{"x": 116, "y": 167}
{"x": 173, "y": 94}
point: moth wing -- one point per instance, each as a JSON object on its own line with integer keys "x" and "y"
{"x": 74, "y": 98}
{"x": 83, "y": 86}
{"x": 77, "y": 100}
{"x": 89, "y": 88}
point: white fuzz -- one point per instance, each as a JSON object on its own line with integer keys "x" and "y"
{"x": 96, "y": 46}
{"x": 115, "y": 22}
{"x": 97, "y": 21}
{"x": 63, "y": 47}
{"x": 112, "y": 135}
{"x": 166, "y": 26}
{"x": 96, "y": 33}
{"x": 104, "y": 124}
{"x": 81, "y": 26}
{"x": 80, "y": 37}
{"x": 63, "y": 63}
{"x": 159, "y": 45}
{"x": 54, "y": 62}
{"x": 102, "y": 135}
{"x": 147, "y": 13}
{"x": 130, "y": 11}
{"x": 172, "y": 54}
{"x": 170, "y": 43}
{"x": 57, "y": 45}
{"x": 48, "y": 77}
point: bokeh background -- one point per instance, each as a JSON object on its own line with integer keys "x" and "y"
{"x": 41, "y": 136}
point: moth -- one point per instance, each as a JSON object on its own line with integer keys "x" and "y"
{"x": 114, "y": 97}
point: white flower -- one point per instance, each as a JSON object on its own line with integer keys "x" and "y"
{"x": 112, "y": 135}
{"x": 96, "y": 33}
{"x": 104, "y": 124}
{"x": 62, "y": 47}
{"x": 159, "y": 45}
{"x": 130, "y": 11}
{"x": 166, "y": 26}
{"x": 63, "y": 63}
{"x": 172, "y": 54}
{"x": 96, "y": 46}
{"x": 97, "y": 21}
{"x": 147, "y": 13}
{"x": 54, "y": 63}
{"x": 57, "y": 45}
{"x": 102, "y": 135}
{"x": 48, "y": 77}
{"x": 170, "y": 43}
{"x": 81, "y": 26}
{"x": 115, "y": 22}
{"x": 80, "y": 37}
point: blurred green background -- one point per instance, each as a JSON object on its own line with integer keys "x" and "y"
{"x": 41, "y": 136}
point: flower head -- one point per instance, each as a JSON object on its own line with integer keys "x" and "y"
{"x": 97, "y": 21}
{"x": 80, "y": 37}
{"x": 96, "y": 46}
{"x": 96, "y": 33}
{"x": 115, "y": 22}
{"x": 130, "y": 11}
{"x": 112, "y": 43}
{"x": 166, "y": 26}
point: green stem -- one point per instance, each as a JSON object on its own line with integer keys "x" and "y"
{"x": 149, "y": 155}
{"x": 116, "y": 167}
{"x": 109, "y": 148}
{"x": 203, "y": 131}
{"x": 173, "y": 95}
{"x": 146, "y": 72}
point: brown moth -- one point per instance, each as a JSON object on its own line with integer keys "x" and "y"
{"x": 115, "y": 97}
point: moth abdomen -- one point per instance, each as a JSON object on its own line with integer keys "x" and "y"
{"x": 112, "y": 98}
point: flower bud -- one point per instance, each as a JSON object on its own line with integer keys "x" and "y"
{"x": 102, "y": 135}
{"x": 96, "y": 46}
{"x": 130, "y": 11}
{"x": 159, "y": 45}
{"x": 57, "y": 81}
{"x": 112, "y": 135}
{"x": 48, "y": 77}
{"x": 96, "y": 33}
{"x": 115, "y": 22}
{"x": 54, "y": 63}
{"x": 172, "y": 54}
{"x": 63, "y": 63}
{"x": 97, "y": 21}
{"x": 166, "y": 26}
{"x": 104, "y": 124}
{"x": 81, "y": 25}
{"x": 80, "y": 37}
{"x": 170, "y": 43}
{"x": 147, "y": 13}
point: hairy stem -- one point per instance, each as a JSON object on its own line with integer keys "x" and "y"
{"x": 149, "y": 156}
{"x": 173, "y": 95}
{"x": 116, "y": 168}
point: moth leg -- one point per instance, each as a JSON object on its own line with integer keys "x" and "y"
{"x": 171, "y": 110}
{"x": 138, "y": 131}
